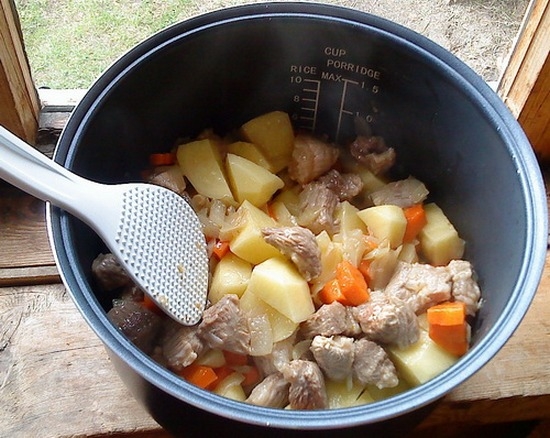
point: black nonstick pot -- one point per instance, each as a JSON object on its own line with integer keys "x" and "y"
{"x": 331, "y": 69}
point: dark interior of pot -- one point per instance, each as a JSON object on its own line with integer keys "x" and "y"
{"x": 218, "y": 71}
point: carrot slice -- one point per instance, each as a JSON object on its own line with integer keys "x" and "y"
{"x": 452, "y": 338}
{"x": 162, "y": 159}
{"x": 269, "y": 211}
{"x": 221, "y": 248}
{"x": 149, "y": 304}
{"x": 352, "y": 283}
{"x": 221, "y": 373}
{"x": 447, "y": 313}
{"x": 348, "y": 287}
{"x": 448, "y": 327}
{"x": 364, "y": 267}
{"x": 235, "y": 359}
{"x": 251, "y": 376}
{"x": 200, "y": 375}
{"x": 416, "y": 219}
{"x": 331, "y": 292}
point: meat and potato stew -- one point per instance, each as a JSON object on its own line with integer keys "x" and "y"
{"x": 331, "y": 286}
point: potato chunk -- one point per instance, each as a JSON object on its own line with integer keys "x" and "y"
{"x": 421, "y": 361}
{"x": 251, "y": 152}
{"x": 439, "y": 239}
{"x": 346, "y": 214}
{"x": 230, "y": 387}
{"x": 278, "y": 283}
{"x": 250, "y": 181}
{"x": 279, "y": 211}
{"x": 249, "y": 243}
{"x": 345, "y": 394}
{"x": 202, "y": 165}
{"x": 274, "y": 135}
{"x": 385, "y": 222}
{"x": 281, "y": 326}
{"x": 384, "y": 393}
{"x": 231, "y": 276}
{"x": 291, "y": 199}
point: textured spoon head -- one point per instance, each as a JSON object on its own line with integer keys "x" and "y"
{"x": 161, "y": 244}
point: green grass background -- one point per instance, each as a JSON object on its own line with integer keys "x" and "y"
{"x": 71, "y": 42}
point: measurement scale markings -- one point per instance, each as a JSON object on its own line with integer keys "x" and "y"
{"x": 344, "y": 111}
{"x": 311, "y": 100}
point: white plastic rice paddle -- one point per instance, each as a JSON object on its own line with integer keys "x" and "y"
{"x": 154, "y": 232}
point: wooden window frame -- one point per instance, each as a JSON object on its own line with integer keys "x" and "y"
{"x": 19, "y": 102}
{"x": 525, "y": 83}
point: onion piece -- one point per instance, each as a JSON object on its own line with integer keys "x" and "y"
{"x": 403, "y": 193}
{"x": 382, "y": 266}
{"x": 261, "y": 335}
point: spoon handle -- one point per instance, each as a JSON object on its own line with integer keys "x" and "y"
{"x": 33, "y": 172}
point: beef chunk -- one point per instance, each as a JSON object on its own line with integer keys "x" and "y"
{"x": 299, "y": 245}
{"x": 139, "y": 324}
{"x": 373, "y": 153}
{"x": 328, "y": 320}
{"x": 311, "y": 157}
{"x": 345, "y": 186}
{"x": 464, "y": 287}
{"x": 317, "y": 204}
{"x": 420, "y": 285}
{"x": 108, "y": 272}
{"x": 388, "y": 320}
{"x": 353, "y": 328}
{"x": 132, "y": 292}
{"x": 334, "y": 355}
{"x": 271, "y": 392}
{"x": 307, "y": 385}
{"x": 225, "y": 326}
{"x": 372, "y": 366}
{"x": 182, "y": 347}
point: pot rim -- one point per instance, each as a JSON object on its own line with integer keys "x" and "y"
{"x": 413, "y": 399}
